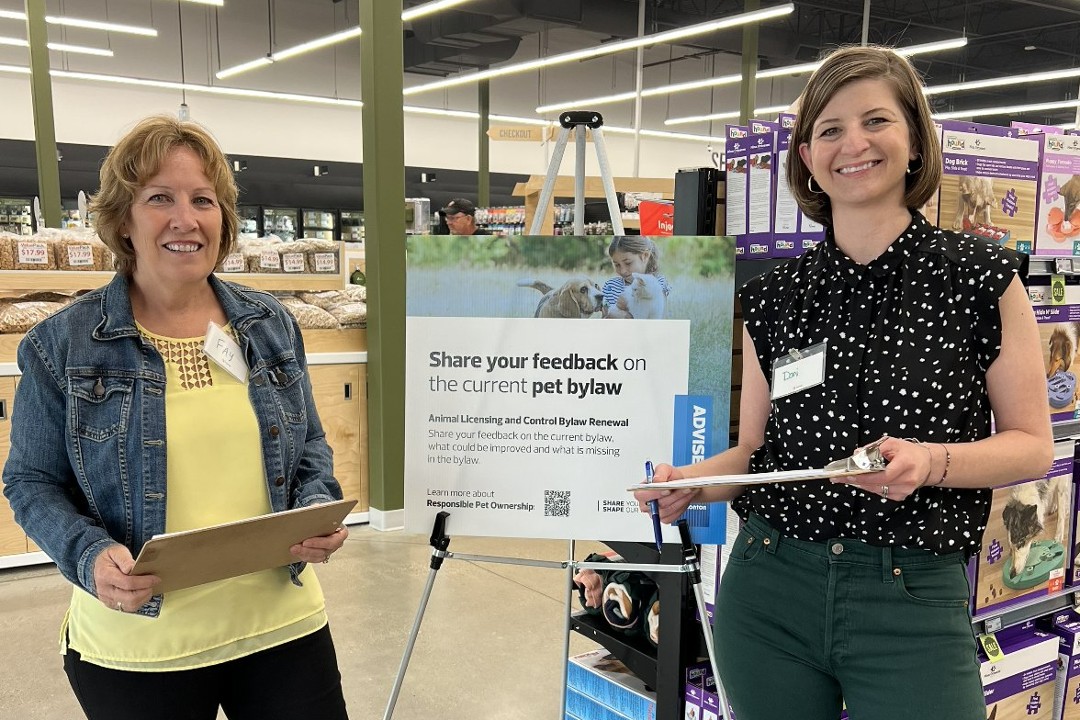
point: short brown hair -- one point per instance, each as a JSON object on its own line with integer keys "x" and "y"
{"x": 138, "y": 157}
{"x": 847, "y": 65}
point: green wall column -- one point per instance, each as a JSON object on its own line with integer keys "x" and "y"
{"x": 483, "y": 172}
{"x": 48, "y": 166}
{"x": 381, "y": 77}
{"x": 748, "y": 87}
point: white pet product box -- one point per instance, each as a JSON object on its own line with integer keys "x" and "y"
{"x": 1020, "y": 685}
{"x": 1026, "y": 543}
{"x": 600, "y": 687}
{"x": 793, "y": 232}
{"x": 1066, "y": 626}
{"x": 1058, "y": 224}
{"x": 989, "y": 187}
{"x": 761, "y": 205}
{"x": 737, "y": 185}
{"x": 1059, "y": 335}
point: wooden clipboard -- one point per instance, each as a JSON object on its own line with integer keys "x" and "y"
{"x": 193, "y": 557}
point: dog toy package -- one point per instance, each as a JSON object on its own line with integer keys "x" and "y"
{"x": 1025, "y": 544}
{"x": 1019, "y": 685}
{"x": 761, "y": 205}
{"x": 990, "y": 187}
{"x": 1059, "y": 331}
{"x": 600, "y": 687}
{"x": 1058, "y": 230}
{"x": 737, "y": 178}
{"x": 793, "y": 232}
{"x": 1066, "y": 626}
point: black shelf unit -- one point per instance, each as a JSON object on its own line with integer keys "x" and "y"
{"x": 662, "y": 668}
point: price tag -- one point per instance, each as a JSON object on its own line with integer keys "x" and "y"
{"x": 991, "y": 648}
{"x": 233, "y": 263}
{"x": 326, "y": 262}
{"x": 1057, "y": 289}
{"x": 80, "y": 255}
{"x": 33, "y": 253}
{"x": 270, "y": 260}
{"x": 293, "y": 262}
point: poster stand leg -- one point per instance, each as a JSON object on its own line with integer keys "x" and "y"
{"x": 440, "y": 542}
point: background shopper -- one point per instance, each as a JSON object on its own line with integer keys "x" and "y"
{"x": 124, "y": 428}
{"x": 855, "y": 590}
{"x": 460, "y": 216}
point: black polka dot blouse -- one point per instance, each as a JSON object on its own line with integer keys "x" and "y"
{"x": 909, "y": 337}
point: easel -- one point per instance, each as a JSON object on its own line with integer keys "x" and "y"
{"x": 440, "y": 542}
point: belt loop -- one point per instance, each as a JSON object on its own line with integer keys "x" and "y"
{"x": 773, "y": 542}
{"x": 886, "y": 565}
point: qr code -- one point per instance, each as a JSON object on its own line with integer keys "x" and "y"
{"x": 556, "y": 503}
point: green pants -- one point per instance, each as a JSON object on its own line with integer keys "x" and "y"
{"x": 802, "y": 627}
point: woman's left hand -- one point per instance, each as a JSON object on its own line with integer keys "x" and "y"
{"x": 907, "y": 470}
{"x": 319, "y": 549}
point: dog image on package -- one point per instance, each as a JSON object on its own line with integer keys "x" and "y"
{"x": 1027, "y": 539}
{"x": 1059, "y": 332}
{"x": 1058, "y": 231}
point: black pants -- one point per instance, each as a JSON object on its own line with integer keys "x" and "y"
{"x": 295, "y": 681}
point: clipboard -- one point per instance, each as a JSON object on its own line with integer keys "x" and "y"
{"x": 194, "y": 557}
{"x": 753, "y": 479}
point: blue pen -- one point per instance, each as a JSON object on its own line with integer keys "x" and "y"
{"x": 654, "y": 510}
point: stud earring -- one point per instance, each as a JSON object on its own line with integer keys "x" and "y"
{"x": 810, "y": 185}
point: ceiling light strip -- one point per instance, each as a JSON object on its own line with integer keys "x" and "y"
{"x": 731, "y": 115}
{"x": 1034, "y": 107}
{"x": 81, "y": 23}
{"x": 430, "y": 8}
{"x": 59, "y": 47}
{"x": 606, "y": 49}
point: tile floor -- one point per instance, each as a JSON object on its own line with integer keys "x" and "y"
{"x": 491, "y": 644}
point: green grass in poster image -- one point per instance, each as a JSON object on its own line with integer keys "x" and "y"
{"x": 454, "y": 276}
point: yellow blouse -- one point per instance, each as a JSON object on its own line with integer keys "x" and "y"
{"x": 215, "y": 475}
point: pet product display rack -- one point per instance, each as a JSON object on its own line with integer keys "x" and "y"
{"x": 673, "y": 648}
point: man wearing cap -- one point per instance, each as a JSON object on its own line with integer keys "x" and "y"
{"x": 460, "y": 217}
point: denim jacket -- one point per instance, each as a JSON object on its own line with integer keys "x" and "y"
{"x": 87, "y": 461}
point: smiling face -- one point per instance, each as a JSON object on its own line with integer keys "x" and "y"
{"x": 860, "y": 147}
{"x": 628, "y": 263}
{"x": 175, "y": 224}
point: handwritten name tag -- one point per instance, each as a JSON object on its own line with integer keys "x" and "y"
{"x": 225, "y": 351}
{"x": 798, "y": 370}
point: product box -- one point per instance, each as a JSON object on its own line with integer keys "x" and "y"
{"x": 989, "y": 187}
{"x": 1025, "y": 546}
{"x": 1066, "y": 626}
{"x": 760, "y": 205}
{"x": 737, "y": 177}
{"x": 1025, "y": 128}
{"x": 978, "y": 128}
{"x": 1059, "y": 332}
{"x": 657, "y": 217}
{"x": 808, "y": 232}
{"x": 1058, "y": 229}
{"x": 597, "y": 678}
{"x": 1072, "y": 578}
{"x": 1020, "y": 686}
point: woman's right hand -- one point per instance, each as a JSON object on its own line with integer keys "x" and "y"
{"x": 672, "y": 503}
{"x": 116, "y": 589}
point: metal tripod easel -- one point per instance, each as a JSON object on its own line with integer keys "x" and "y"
{"x": 440, "y": 542}
{"x": 579, "y": 121}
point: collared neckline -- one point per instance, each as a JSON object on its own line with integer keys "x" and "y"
{"x": 851, "y": 272}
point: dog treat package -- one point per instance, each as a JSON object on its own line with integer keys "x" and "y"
{"x": 1058, "y": 228}
{"x": 1066, "y": 626}
{"x": 1025, "y": 128}
{"x": 793, "y": 232}
{"x": 1026, "y": 544}
{"x": 600, "y": 687}
{"x": 762, "y": 181}
{"x": 1059, "y": 331}
{"x": 737, "y": 157}
{"x": 989, "y": 187}
{"x": 1018, "y": 681}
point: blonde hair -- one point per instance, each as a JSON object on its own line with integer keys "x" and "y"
{"x": 848, "y": 65}
{"x": 138, "y": 157}
{"x": 637, "y": 245}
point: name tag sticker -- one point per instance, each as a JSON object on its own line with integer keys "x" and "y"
{"x": 798, "y": 370}
{"x": 225, "y": 351}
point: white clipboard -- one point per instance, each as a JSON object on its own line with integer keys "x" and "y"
{"x": 751, "y": 479}
{"x": 194, "y": 557}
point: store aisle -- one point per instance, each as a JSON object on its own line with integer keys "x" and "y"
{"x": 490, "y": 647}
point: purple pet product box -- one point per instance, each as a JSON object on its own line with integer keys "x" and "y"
{"x": 1020, "y": 686}
{"x": 1066, "y": 626}
{"x": 978, "y": 128}
{"x": 737, "y": 185}
{"x": 787, "y": 241}
{"x": 710, "y": 700}
{"x": 989, "y": 187}
{"x": 1025, "y": 544}
{"x": 762, "y": 198}
{"x": 1072, "y": 579}
{"x": 598, "y": 678}
{"x": 1059, "y": 336}
{"x": 1057, "y": 230}
{"x": 1025, "y": 128}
